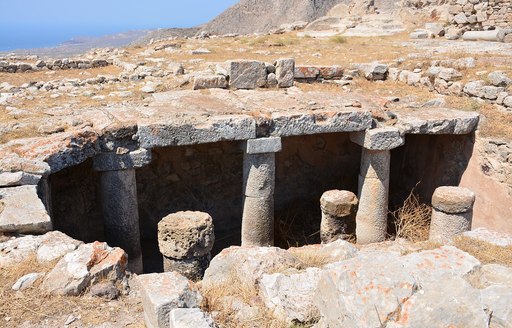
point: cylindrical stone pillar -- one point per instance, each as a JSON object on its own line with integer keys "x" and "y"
{"x": 338, "y": 215}
{"x": 121, "y": 215}
{"x": 185, "y": 240}
{"x": 119, "y": 200}
{"x": 452, "y": 212}
{"x": 372, "y": 215}
{"x": 259, "y": 185}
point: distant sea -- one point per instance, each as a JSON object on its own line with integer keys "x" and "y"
{"x": 30, "y": 37}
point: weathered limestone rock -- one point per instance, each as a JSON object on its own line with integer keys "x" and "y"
{"x": 185, "y": 240}
{"x": 47, "y": 247}
{"x": 186, "y": 235}
{"x": 247, "y": 74}
{"x": 247, "y": 263}
{"x": 163, "y": 292}
{"x": 259, "y": 184}
{"x": 452, "y": 212}
{"x": 497, "y": 300}
{"x": 338, "y": 215}
{"x": 190, "y": 318}
{"x": 368, "y": 289}
{"x": 21, "y": 211}
{"x": 419, "y": 34}
{"x": 491, "y": 237}
{"x": 371, "y": 218}
{"x": 85, "y": 266}
{"x": 26, "y": 281}
{"x": 499, "y": 79}
{"x": 375, "y": 71}
{"x": 210, "y": 82}
{"x": 290, "y": 296}
{"x": 285, "y": 69}
{"x": 457, "y": 306}
{"x": 119, "y": 200}
{"x": 20, "y": 178}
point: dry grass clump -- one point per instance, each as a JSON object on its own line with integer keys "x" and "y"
{"x": 338, "y": 39}
{"x": 36, "y": 306}
{"x": 219, "y": 297}
{"x": 412, "y": 220}
{"x": 310, "y": 258}
{"x": 485, "y": 252}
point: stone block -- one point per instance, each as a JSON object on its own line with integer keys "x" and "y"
{"x": 453, "y": 199}
{"x": 263, "y": 145}
{"x": 338, "y": 203}
{"x": 190, "y": 318}
{"x": 247, "y": 74}
{"x": 419, "y": 34}
{"x": 331, "y": 72}
{"x": 210, "y": 82}
{"x": 20, "y": 178}
{"x": 285, "y": 72}
{"x": 375, "y": 71}
{"x": 21, "y": 211}
{"x": 339, "y": 209}
{"x": 490, "y": 35}
{"x": 163, "y": 292}
{"x": 226, "y": 127}
{"x": 378, "y": 139}
{"x": 86, "y": 265}
{"x": 115, "y": 161}
{"x": 306, "y": 72}
{"x": 186, "y": 235}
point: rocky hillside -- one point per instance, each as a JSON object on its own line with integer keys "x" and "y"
{"x": 251, "y": 16}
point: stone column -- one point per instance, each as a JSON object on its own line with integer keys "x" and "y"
{"x": 259, "y": 185}
{"x": 371, "y": 218}
{"x": 186, "y": 239}
{"x": 452, "y": 212}
{"x": 338, "y": 215}
{"x": 119, "y": 201}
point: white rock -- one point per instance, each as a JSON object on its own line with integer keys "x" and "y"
{"x": 249, "y": 263}
{"x": 491, "y": 237}
{"x": 23, "y": 211}
{"x": 26, "y": 281}
{"x": 190, "y": 318}
{"x": 78, "y": 269}
{"x": 163, "y": 292}
{"x": 290, "y": 296}
{"x": 498, "y": 300}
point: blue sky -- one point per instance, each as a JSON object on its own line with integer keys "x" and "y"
{"x": 45, "y": 20}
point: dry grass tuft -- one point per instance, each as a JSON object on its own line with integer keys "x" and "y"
{"x": 412, "y": 220}
{"x": 219, "y": 297}
{"x": 311, "y": 259}
{"x": 484, "y": 252}
{"x": 338, "y": 39}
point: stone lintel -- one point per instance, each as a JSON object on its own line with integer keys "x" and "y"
{"x": 306, "y": 123}
{"x": 114, "y": 162}
{"x": 263, "y": 145}
{"x": 22, "y": 211}
{"x": 224, "y": 128}
{"x": 378, "y": 139}
{"x": 19, "y": 178}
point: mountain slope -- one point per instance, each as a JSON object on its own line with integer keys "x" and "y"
{"x": 250, "y": 16}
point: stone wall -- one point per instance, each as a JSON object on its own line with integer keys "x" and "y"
{"x": 489, "y": 175}
{"x": 480, "y": 14}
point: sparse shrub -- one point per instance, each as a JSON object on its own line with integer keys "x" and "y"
{"x": 338, "y": 39}
{"x": 412, "y": 220}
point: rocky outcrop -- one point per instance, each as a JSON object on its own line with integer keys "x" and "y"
{"x": 247, "y": 16}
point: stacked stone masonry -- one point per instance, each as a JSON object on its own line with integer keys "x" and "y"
{"x": 481, "y": 14}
